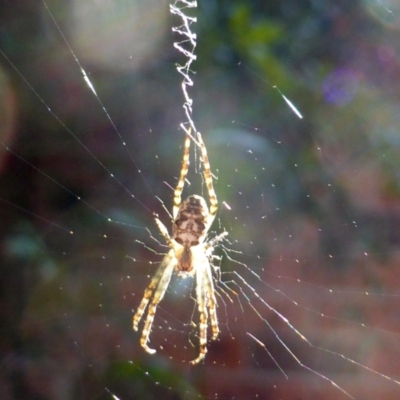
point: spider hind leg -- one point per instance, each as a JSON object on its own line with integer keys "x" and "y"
{"x": 155, "y": 290}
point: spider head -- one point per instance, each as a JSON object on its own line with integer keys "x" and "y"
{"x": 185, "y": 260}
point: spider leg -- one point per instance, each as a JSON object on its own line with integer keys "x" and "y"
{"x": 212, "y": 301}
{"x": 164, "y": 231}
{"x": 209, "y": 285}
{"x": 150, "y": 289}
{"x": 157, "y": 287}
{"x": 209, "y": 182}
{"x": 206, "y": 303}
{"x": 181, "y": 182}
{"x": 208, "y": 247}
{"x": 156, "y": 278}
{"x": 201, "y": 304}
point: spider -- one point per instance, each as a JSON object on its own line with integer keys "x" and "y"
{"x": 190, "y": 254}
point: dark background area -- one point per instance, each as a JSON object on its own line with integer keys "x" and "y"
{"x": 314, "y": 221}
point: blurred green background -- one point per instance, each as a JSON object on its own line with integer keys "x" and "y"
{"x": 314, "y": 221}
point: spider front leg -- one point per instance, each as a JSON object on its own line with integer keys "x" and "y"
{"x": 182, "y": 177}
{"x": 209, "y": 182}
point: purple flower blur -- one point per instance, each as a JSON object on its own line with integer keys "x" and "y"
{"x": 340, "y": 86}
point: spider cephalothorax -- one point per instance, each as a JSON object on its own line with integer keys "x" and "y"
{"x": 190, "y": 254}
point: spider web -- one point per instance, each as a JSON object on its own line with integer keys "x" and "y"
{"x": 307, "y": 295}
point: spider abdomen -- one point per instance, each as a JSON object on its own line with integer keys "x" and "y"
{"x": 189, "y": 227}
